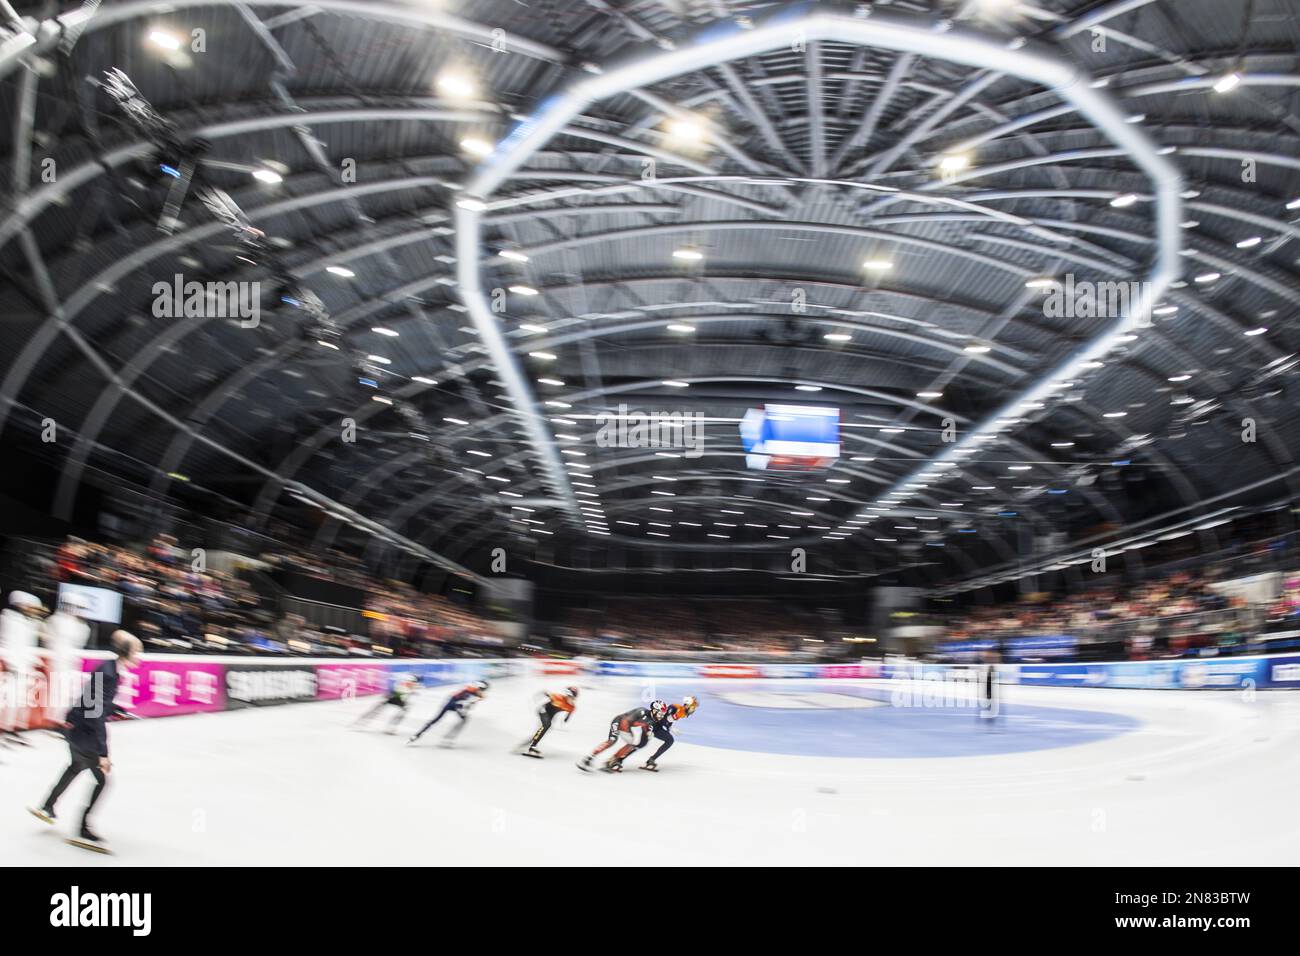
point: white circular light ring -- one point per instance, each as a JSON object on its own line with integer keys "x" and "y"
{"x": 1043, "y": 65}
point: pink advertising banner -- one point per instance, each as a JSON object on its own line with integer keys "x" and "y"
{"x": 336, "y": 681}
{"x": 168, "y": 688}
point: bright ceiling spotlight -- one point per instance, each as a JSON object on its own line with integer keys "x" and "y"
{"x": 807, "y": 388}
{"x": 673, "y": 383}
{"x": 341, "y": 271}
{"x": 423, "y": 380}
{"x": 929, "y": 394}
{"x": 380, "y": 330}
{"x": 475, "y": 146}
{"x": 687, "y": 129}
{"x": 688, "y": 254}
{"x": 456, "y": 85}
{"x": 1250, "y": 243}
{"x": 471, "y": 205}
{"x": 523, "y": 290}
{"x": 837, "y": 337}
{"x": 544, "y": 356}
{"x": 1228, "y": 82}
{"x": 954, "y": 162}
{"x": 977, "y": 349}
{"x": 1040, "y": 282}
{"x": 1207, "y": 277}
{"x": 268, "y": 176}
{"x": 380, "y": 359}
{"x": 679, "y": 327}
{"x": 513, "y": 255}
{"x": 877, "y": 265}
{"x": 164, "y": 40}
{"x": 1259, "y": 331}
{"x": 1120, "y": 202}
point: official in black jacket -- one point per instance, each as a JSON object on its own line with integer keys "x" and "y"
{"x": 86, "y": 727}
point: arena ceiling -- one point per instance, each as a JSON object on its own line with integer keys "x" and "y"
{"x": 472, "y": 229}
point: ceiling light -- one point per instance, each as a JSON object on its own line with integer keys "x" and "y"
{"x": 1128, "y": 199}
{"x": 550, "y": 381}
{"x": 953, "y": 162}
{"x": 380, "y": 359}
{"x": 977, "y": 349}
{"x": 513, "y": 255}
{"x": 527, "y": 327}
{"x": 808, "y": 388}
{"x": 1249, "y": 243}
{"x": 1207, "y": 277}
{"x": 471, "y": 205}
{"x": 686, "y": 129}
{"x": 1040, "y": 282}
{"x": 457, "y": 85}
{"x": 381, "y": 400}
{"x": 1179, "y": 378}
{"x": 837, "y": 337}
{"x": 877, "y": 265}
{"x": 1259, "y": 331}
{"x": 164, "y": 40}
{"x": 688, "y": 254}
{"x": 523, "y": 290}
{"x": 380, "y": 330}
{"x": 544, "y": 356}
{"x": 1227, "y": 82}
{"x": 267, "y": 176}
{"x": 678, "y": 327}
{"x": 676, "y": 384}
{"x": 929, "y": 394}
{"x": 475, "y": 146}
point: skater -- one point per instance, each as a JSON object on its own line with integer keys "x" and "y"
{"x": 399, "y": 698}
{"x": 87, "y": 733}
{"x": 663, "y": 729}
{"x": 20, "y": 628}
{"x": 552, "y": 705}
{"x": 459, "y": 704}
{"x": 630, "y": 729}
{"x": 988, "y": 695}
{"x": 66, "y": 635}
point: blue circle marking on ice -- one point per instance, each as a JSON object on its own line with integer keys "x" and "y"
{"x": 875, "y": 721}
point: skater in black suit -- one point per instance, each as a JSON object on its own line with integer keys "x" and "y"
{"x": 86, "y": 728}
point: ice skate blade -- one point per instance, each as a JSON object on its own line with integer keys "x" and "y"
{"x": 87, "y": 845}
{"x": 527, "y": 754}
{"x": 41, "y": 815}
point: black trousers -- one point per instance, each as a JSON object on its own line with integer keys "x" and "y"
{"x": 546, "y": 715}
{"x": 450, "y": 707}
{"x": 81, "y": 760}
{"x": 666, "y": 735}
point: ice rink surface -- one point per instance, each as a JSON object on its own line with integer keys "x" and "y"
{"x": 767, "y": 772}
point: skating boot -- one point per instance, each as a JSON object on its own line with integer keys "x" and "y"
{"x": 651, "y": 766}
{"x": 88, "y": 839}
{"x": 585, "y": 763}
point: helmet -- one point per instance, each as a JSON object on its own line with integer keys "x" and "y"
{"x": 572, "y": 691}
{"x": 689, "y": 704}
{"x": 481, "y": 684}
{"x": 658, "y": 709}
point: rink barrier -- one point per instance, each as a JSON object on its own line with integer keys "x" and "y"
{"x": 172, "y": 685}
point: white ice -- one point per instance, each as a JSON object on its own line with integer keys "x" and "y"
{"x": 1210, "y": 778}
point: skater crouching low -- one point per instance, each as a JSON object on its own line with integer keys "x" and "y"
{"x": 631, "y": 730}
{"x": 459, "y": 704}
{"x": 553, "y": 704}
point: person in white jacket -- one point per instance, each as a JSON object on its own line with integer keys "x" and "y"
{"x": 20, "y": 628}
{"x": 66, "y": 635}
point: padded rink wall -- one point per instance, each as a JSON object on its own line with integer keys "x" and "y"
{"x": 171, "y": 685}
